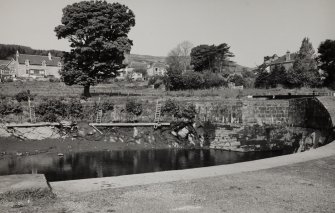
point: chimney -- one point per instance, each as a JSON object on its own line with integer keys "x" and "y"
{"x": 49, "y": 56}
{"x": 288, "y": 56}
{"x": 17, "y": 55}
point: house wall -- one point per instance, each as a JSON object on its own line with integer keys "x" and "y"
{"x": 49, "y": 70}
{"x": 152, "y": 71}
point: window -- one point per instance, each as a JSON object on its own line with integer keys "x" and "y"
{"x": 44, "y": 63}
{"x": 26, "y": 62}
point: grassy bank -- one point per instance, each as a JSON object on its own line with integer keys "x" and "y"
{"x": 121, "y": 90}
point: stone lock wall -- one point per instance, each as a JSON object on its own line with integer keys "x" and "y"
{"x": 258, "y": 125}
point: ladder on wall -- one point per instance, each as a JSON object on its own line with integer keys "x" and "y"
{"x": 32, "y": 114}
{"x": 99, "y": 116}
{"x": 157, "y": 114}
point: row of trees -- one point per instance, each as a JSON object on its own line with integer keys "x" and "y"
{"x": 210, "y": 57}
{"x": 308, "y": 69}
{"x": 207, "y": 61}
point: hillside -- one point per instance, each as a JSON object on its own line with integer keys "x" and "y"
{"x": 146, "y": 58}
{"x": 7, "y": 51}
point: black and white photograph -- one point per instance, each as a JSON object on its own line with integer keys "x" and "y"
{"x": 167, "y": 106}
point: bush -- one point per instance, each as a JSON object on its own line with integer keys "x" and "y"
{"x": 213, "y": 80}
{"x": 134, "y": 107}
{"x": 156, "y": 80}
{"x": 2, "y": 97}
{"x": 75, "y": 109}
{"x": 107, "y": 105}
{"x": 193, "y": 80}
{"x": 8, "y": 80}
{"x": 237, "y": 79}
{"x": 54, "y": 80}
{"x": 23, "y": 96}
{"x": 170, "y": 107}
{"x": 8, "y": 107}
{"x": 187, "y": 111}
{"x": 51, "y": 109}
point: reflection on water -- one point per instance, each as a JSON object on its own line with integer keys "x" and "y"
{"x": 113, "y": 163}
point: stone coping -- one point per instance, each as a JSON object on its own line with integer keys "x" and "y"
{"x": 24, "y": 182}
{"x": 94, "y": 184}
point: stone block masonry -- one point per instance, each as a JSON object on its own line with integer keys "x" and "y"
{"x": 258, "y": 125}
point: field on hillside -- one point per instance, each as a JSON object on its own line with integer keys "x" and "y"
{"x": 121, "y": 90}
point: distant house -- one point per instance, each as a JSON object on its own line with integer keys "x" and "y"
{"x": 133, "y": 70}
{"x": 157, "y": 68}
{"x": 7, "y": 69}
{"x": 286, "y": 61}
{"x": 37, "y": 65}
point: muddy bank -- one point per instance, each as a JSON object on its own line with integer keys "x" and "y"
{"x": 21, "y": 139}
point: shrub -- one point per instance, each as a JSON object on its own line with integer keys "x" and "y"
{"x": 8, "y": 80}
{"x": 23, "y": 96}
{"x": 153, "y": 79}
{"x": 8, "y": 107}
{"x": 75, "y": 109}
{"x": 187, "y": 111}
{"x": 237, "y": 79}
{"x": 170, "y": 107}
{"x": 134, "y": 107}
{"x": 2, "y": 97}
{"x": 193, "y": 80}
{"x": 51, "y": 109}
{"x": 107, "y": 105}
{"x": 156, "y": 80}
{"x": 54, "y": 80}
{"x": 213, "y": 80}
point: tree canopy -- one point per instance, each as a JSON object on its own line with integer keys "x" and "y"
{"x": 210, "y": 57}
{"x": 97, "y": 32}
{"x": 327, "y": 61}
{"x": 179, "y": 57}
{"x": 304, "y": 71}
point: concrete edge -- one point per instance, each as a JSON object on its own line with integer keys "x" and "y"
{"x": 94, "y": 184}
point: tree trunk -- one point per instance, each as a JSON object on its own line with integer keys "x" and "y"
{"x": 87, "y": 91}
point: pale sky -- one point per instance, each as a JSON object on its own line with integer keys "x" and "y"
{"x": 253, "y": 28}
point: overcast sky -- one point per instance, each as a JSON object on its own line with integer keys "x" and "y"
{"x": 253, "y": 28}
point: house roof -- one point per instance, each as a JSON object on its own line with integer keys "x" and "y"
{"x": 282, "y": 59}
{"x": 137, "y": 65}
{"x": 159, "y": 65}
{"x": 3, "y": 67}
{"x": 37, "y": 59}
{"x": 5, "y": 62}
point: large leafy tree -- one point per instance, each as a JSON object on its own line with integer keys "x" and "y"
{"x": 97, "y": 32}
{"x": 210, "y": 57}
{"x": 327, "y": 61}
{"x": 304, "y": 71}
